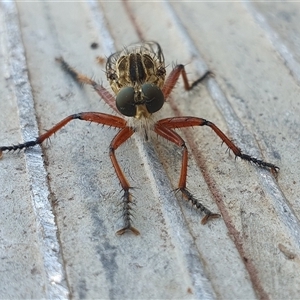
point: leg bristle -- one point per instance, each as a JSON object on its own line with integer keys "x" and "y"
{"x": 127, "y": 215}
{"x": 196, "y": 203}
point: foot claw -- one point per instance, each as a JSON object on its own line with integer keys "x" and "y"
{"x": 208, "y": 217}
{"x": 208, "y": 214}
{"x": 126, "y": 229}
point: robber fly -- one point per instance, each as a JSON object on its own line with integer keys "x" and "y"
{"x": 137, "y": 76}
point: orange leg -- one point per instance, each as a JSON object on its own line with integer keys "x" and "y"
{"x": 82, "y": 79}
{"x": 173, "y": 78}
{"x": 176, "y": 139}
{"x": 123, "y": 135}
{"x": 120, "y": 138}
{"x": 180, "y": 122}
{"x": 96, "y": 117}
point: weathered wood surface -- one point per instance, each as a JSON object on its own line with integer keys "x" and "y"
{"x": 59, "y": 203}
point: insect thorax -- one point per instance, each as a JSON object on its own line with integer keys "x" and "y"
{"x": 135, "y": 65}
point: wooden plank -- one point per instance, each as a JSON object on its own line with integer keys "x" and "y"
{"x": 252, "y": 252}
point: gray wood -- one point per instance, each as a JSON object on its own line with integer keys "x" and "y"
{"x": 59, "y": 202}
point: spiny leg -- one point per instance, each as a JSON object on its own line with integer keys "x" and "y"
{"x": 118, "y": 140}
{"x": 96, "y": 117}
{"x": 176, "y": 139}
{"x": 180, "y": 122}
{"x": 83, "y": 79}
{"x": 173, "y": 78}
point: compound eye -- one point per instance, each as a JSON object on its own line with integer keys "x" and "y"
{"x": 153, "y": 97}
{"x": 125, "y": 102}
